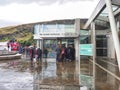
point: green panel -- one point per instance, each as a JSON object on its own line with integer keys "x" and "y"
{"x": 86, "y": 49}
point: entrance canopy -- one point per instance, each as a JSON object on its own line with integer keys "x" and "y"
{"x": 107, "y": 16}
{"x": 100, "y": 14}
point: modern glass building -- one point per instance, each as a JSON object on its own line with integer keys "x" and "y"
{"x": 51, "y": 34}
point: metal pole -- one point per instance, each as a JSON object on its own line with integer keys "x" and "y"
{"x": 114, "y": 30}
{"x": 94, "y": 52}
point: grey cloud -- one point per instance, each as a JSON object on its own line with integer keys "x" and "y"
{"x": 41, "y": 2}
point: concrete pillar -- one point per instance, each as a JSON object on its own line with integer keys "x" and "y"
{"x": 114, "y": 30}
{"x": 60, "y": 41}
{"x": 77, "y": 47}
{"x": 38, "y": 43}
{"x": 94, "y": 51}
{"x": 77, "y": 40}
{"x": 41, "y": 43}
{"x": 118, "y": 25}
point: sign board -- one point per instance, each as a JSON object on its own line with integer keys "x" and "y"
{"x": 49, "y": 35}
{"x": 86, "y": 49}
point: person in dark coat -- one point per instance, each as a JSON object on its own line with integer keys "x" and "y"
{"x": 63, "y": 53}
{"x": 69, "y": 53}
{"x": 45, "y": 53}
{"x": 58, "y": 53}
{"x": 39, "y": 54}
{"x": 72, "y": 53}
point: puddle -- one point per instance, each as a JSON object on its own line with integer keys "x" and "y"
{"x": 12, "y": 80}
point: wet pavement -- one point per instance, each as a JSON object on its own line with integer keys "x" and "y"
{"x": 14, "y": 79}
{"x": 49, "y": 75}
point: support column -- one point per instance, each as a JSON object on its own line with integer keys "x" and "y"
{"x": 77, "y": 47}
{"x": 94, "y": 52}
{"x": 60, "y": 41}
{"x": 114, "y": 30}
{"x": 77, "y": 40}
{"x": 38, "y": 43}
{"x": 41, "y": 43}
{"x": 118, "y": 25}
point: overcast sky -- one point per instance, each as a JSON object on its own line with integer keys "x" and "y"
{"x": 15, "y": 12}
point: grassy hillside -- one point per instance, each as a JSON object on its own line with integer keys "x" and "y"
{"x": 21, "y": 32}
{"x": 25, "y": 32}
{"x": 7, "y": 30}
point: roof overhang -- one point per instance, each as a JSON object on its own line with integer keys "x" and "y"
{"x": 99, "y": 8}
{"x": 116, "y": 2}
{"x": 96, "y": 12}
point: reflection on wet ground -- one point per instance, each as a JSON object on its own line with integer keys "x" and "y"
{"x": 57, "y": 76}
{"x": 14, "y": 79}
{"x": 107, "y": 76}
{"x": 49, "y": 75}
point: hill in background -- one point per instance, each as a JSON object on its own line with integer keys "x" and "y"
{"x": 24, "y": 32}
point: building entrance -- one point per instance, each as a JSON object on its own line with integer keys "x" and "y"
{"x": 51, "y": 34}
{"x": 52, "y": 44}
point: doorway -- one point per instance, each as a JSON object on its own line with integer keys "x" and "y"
{"x": 52, "y": 44}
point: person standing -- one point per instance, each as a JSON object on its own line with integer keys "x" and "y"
{"x": 32, "y": 55}
{"x": 39, "y": 54}
{"x": 58, "y": 53}
{"x": 8, "y": 45}
{"x": 45, "y": 53}
{"x": 63, "y": 53}
{"x": 72, "y": 52}
{"x": 69, "y": 54}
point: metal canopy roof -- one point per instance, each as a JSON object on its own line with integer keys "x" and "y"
{"x": 116, "y": 2}
{"x": 100, "y": 13}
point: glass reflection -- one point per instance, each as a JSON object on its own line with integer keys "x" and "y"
{"x": 60, "y": 76}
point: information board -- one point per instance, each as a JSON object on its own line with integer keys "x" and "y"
{"x": 86, "y": 49}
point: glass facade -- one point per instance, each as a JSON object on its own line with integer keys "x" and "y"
{"x": 101, "y": 45}
{"x": 84, "y": 37}
{"x": 54, "y": 28}
{"x": 52, "y": 44}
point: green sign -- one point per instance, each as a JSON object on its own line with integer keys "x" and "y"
{"x": 86, "y": 49}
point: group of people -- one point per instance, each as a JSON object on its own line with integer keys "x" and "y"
{"x": 36, "y": 54}
{"x": 13, "y": 45}
{"x": 65, "y": 54}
